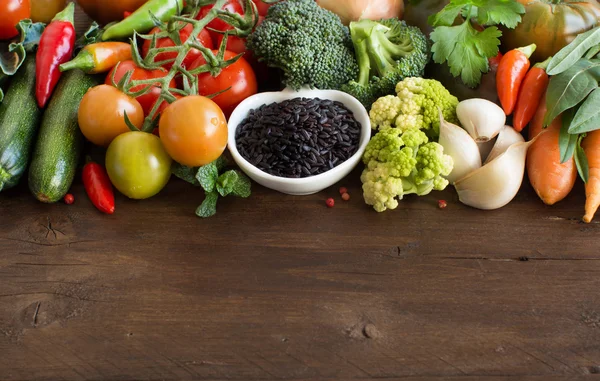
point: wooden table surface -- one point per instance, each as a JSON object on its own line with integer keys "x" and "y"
{"x": 279, "y": 287}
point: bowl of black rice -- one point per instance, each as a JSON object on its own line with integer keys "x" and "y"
{"x": 299, "y": 142}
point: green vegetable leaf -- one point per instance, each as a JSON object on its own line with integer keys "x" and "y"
{"x": 569, "y": 88}
{"x": 208, "y": 208}
{"x": 226, "y": 182}
{"x": 207, "y": 176}
{"x": 567, "y": 142}
{"x": 494, "y": 12}
{"x": 570, "y": 54}
{"x": 185, "y": 173}
{"x": 466, "y": 50}
{"x": 447, "y": 15}
{"x": 586, "y": 119}
{"x": 92, "y": 35}
{"x": 12, "y": 57}
{"x": 243, "y": 187}
{"x": 581, "y": 161}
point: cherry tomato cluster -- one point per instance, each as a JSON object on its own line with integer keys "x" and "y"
{"x": 192, "y": 130}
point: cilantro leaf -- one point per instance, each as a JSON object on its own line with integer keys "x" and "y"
{"x": 466, "y": 50}
{"x": 446, "y": 16}
{"x": 226, "y": 182}
{"x": 207, "y": 176}
{"x": 209, "y": 205}
{"x": 494, "y": 12}
{"x": 243, "y": 187}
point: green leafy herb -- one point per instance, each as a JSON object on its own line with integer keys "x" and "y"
{"x": 208, "y": 208}
{"x": 466, "y": 49}
{"x": 566, "y": 141}
{"x": 572, "y": 86}
{"x": 586, "y": 119}
{"x": 91, "y": 36}
{"x": 214, "y": 183}
{"x": 185, "y": 173}
{"x": 570, "y": 54}
{"x": 12, "y": 55}
{"x": 581, "y": 161}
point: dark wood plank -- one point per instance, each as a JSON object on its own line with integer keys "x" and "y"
{"x": 280, "y": 287}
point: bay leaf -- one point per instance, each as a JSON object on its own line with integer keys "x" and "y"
{"x": 588, "y": 116}
{"x": 568, "y": 89}
{"x": 570, "y": 54}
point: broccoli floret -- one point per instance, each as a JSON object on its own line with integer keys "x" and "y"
{"x": 415, "y": 107}
{"x": 308, "y": 43}
{"x": 387, "y": 52}
{"x": 402, "y": 162}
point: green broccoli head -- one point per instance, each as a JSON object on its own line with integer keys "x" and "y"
{"x": 308, "y": 43}
{"x": 402, "y": 162}
{"x": 387, "y": 51}
{"x": 415, "y": 107}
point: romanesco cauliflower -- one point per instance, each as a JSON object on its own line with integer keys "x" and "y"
{"x": 415, "y": 107}
{"x": 402, "y": 162}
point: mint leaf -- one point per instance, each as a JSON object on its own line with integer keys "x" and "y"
{"x": 208, "y": 208}
{"x": 243, "y": 187}
{"x": 207, "y": 176}
{"x": 466, "y": 50}
{"x": 226, "y": 182}
{"x": 494, "y": 12}
{"x": 185, "y": 173}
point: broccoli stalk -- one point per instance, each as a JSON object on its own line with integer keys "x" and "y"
{"x": 387, "y": 51}
{"x": 376, "y": 53}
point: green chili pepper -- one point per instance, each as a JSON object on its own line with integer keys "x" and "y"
{"x": 141, "y": 20}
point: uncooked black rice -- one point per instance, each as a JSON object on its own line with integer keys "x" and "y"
{"x": 300, "y": 137}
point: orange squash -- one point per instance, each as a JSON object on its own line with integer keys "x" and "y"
{"x": 105, "y": 11}
{"x": 551, "y": 25}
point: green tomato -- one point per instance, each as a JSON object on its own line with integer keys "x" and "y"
{"x": 138, "y": 165}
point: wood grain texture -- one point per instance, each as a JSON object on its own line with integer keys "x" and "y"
{"x": 280, "y": 287}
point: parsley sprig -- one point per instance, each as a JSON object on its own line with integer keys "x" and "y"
{"x": 465, "y": 47}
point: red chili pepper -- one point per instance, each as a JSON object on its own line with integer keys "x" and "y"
{"x": 56, "y": 47}
{"x": 98, "y": 187}
{"x": 511, "y": 72}
{"x": 533, "y": 88}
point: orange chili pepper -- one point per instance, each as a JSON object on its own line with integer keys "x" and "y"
{"x": 511, "y": 72}
{"x": 533, "y": 88}
{"x": 99, "y": 57}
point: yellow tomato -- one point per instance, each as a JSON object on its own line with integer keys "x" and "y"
{"x": 45, "y": 10}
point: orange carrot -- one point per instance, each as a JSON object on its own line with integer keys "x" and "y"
{"x": 551, "y": 180}
{"x": 591, "y": 146}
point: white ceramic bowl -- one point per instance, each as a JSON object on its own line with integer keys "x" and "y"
{"x": 306, "y": 185}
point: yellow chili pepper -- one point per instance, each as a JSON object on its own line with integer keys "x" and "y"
{"x": 99, "y": 57}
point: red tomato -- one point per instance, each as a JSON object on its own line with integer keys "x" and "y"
{"x": 12, "y": 11}
{"x": 233, "y": 6}
{"x": 203, "y": 37}
{"x": 239, "y": 78}
{"x": 149, "y": 99}
{"x": 262, "y": 7}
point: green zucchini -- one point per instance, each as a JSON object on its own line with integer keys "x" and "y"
{"x": 60, "y": 141}
{"x": 19, "y": 122}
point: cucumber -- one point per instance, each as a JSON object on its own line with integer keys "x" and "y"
{"x": 19, "y": 123}
{"x": 59, "y": 142}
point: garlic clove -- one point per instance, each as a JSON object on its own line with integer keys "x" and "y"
{"x": 461, "y": 147}
{"x": 506, "y": 138}
{"x": 486, "y": 147}
{"x": 482, "y": 119}
{"x": 497, "y": 183}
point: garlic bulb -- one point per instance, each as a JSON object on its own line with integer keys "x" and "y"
{"x": 485, "y": 148}
{"x": 495, "y": 184}
{"x": 482, "y": 119}
{"x": 461, "y": 147}
{"x": 506, "y": 138}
